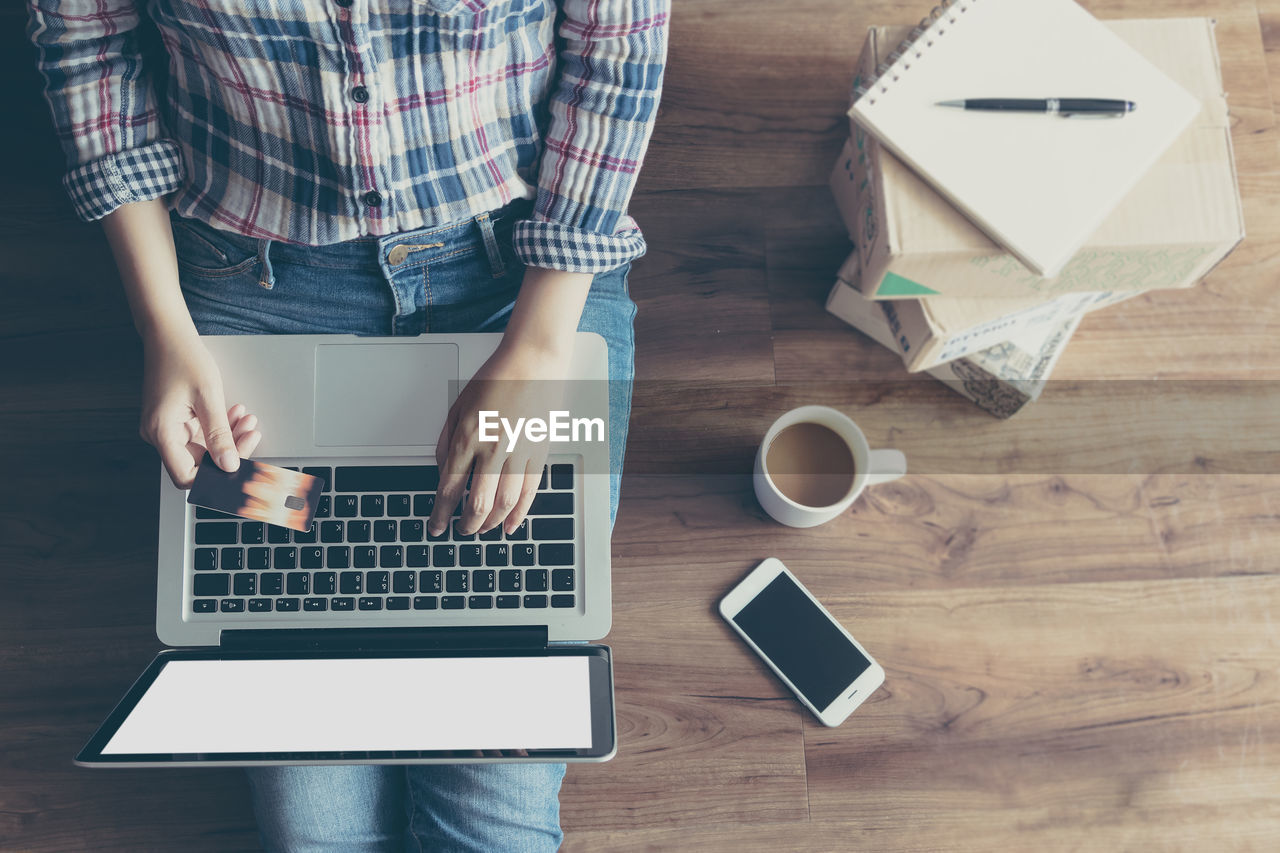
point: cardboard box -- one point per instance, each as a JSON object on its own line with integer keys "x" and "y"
{"x": 1000, "y": 380}
{"x": 1181, "y": 219}
{"x": 938, "y": 329}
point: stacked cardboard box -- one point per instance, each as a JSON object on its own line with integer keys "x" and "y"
{"x": 948, "y": 292}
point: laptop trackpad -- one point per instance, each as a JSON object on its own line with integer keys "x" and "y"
{"x": 384, "y": 394}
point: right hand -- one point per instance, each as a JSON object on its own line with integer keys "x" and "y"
{"x": 184, "y": 414}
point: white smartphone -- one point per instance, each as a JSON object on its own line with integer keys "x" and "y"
{"x": 809, "y": 650}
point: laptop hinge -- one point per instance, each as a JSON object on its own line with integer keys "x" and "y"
{"x": 383, "y": 639}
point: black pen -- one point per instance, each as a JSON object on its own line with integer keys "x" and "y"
{"x": 1066, "y": 107}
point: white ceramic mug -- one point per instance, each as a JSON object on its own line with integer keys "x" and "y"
{"x": 870, "y": 467}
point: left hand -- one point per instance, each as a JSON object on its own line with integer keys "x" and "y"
{"x": 518, "y": 381}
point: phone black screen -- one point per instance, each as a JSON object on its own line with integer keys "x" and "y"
{"x": 801, "y": 641}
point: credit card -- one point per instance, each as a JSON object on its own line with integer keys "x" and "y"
{"x": 258, "y": 491}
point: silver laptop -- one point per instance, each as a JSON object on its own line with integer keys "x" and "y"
{"x": 366, "y": 610}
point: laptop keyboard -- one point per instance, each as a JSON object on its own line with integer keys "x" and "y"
{"x": 369, "y": 549}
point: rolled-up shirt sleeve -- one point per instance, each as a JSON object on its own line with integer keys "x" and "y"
{"x": 103, "y": 104}
{"x": 611, "y": 59}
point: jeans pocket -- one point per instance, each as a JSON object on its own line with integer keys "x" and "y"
{"x": 203, "y": 251}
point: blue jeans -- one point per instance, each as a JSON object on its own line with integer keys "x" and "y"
{"x": 458, "y": 278}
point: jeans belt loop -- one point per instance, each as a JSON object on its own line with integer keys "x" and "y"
{"x": 268, "y": 277}
{"x": 496, "y": 266}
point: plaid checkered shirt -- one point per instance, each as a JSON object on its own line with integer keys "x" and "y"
{"x": 317, "y": 122}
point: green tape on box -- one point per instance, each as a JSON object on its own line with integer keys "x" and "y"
{"x": 895, "y": 285}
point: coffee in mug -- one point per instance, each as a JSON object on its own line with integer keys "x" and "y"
{"x": 811, "y": 464}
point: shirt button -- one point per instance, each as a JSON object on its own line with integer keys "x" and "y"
{"x": 373, "y": 198}
{"x": 360, "y": 94}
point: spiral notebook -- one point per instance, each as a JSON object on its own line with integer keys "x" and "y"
{"x": 1037, "y": 184}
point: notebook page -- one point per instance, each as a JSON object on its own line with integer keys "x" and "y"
{"x": 1039, "y": 185}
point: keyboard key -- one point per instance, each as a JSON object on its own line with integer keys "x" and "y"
{"x": 324, "y": 583}
{"x": 305, "y": 537}
{"x": 482, "y": 580}
{"x": 217, "y": 533}
{"x": 337, "y": 557}
{"x": 425, "y": 602}
{"x": 204, "y": 513}
{"x": 387, "y": 478}
{"x": 443, "y": 555}
{"x": 297, "y": 583}
{"x": 204, "y": 605}
{"x": 535, "y": 580}
{"x": 494, "y": 535}
{"x": 458, "y": 535}
{"x": 371, "y": 506}
{"x": 412, "y": 530}
{"x": 270, "y": 583}
{"x": 365, "y": 557}
{"x": 562, "y": 601}
{"x": 404, "y": 582}
{"x": 259, "y": 605}
{"x": 232, "y": 558}
{"x": 552, "y": 503}
{"x": 509, "y": 580}
{"x": 377, "y": 582}
{"x": 205, "y": 559}
{"x": 231, "y": 605}
{"x": 343, "y": 603}
{"x": 495, "y": 555}
{"x": 535, "y": 601}
{"x": 311, "y": 557}
{"x": 398, "y": 602}
{"x": 258, "y": 559}
{"x": 390, "y": 556}
{"x": 351, "y": 583}
{"x": 417, "y": 556}
{"x": 324, "y": 507}
{"x": 423, "y": 504}
{"x": 245, "y": 583}
{"x": 325, "y": 474}
{"x": 542, "y": 484}
{"x": 397, "y": 505}
{"x": 522, "y": 555}
{"x": 521, "y": 533}
{"x": 277, "y": 535}
{"x": 358, "y": 531}
{"x": 453, "y": 602}
{"x": 346, "y": 506}
{"x": 285, "y": 558}
{"x": 442, "y": 537}
{"x": 562, "y": 476}
{"x": 552, "y": 528}
{"x": 253, "y": 533}
{"x": 371, "y": 604}
{"x": 562, "y": 580}
{"x": 507, "y": 602}
{"x": 315, "y": 604}
{"x": 453, "y": 582}
{"x": 211, "y": 584}
{"x": 480, "y": 602}
{"x": 332, "y": 531}
{"x": 286, "y": 605}
{"x": 556, "y": 555}
{"x": 469, "y": 555}
{"x": 430, "y": 581}
{"x": 384, "y": 531}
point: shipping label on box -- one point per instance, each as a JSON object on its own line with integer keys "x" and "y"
{"x": 1000, "y": 379}
{"x": 1180, "y": 220}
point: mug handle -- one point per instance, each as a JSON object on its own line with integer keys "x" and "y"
{"x": 886, "y": 466}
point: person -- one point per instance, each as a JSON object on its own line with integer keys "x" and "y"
{"x": 383, "y": 167}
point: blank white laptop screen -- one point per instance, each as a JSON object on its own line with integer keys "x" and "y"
{"x": 360, "y": 704}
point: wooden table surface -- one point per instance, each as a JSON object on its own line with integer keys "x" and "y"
{"x": 1074, "y": 608}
